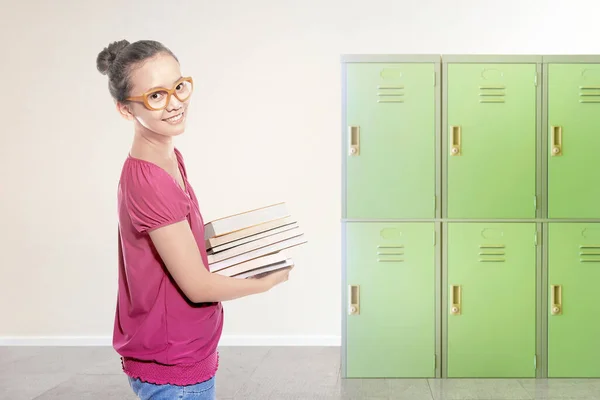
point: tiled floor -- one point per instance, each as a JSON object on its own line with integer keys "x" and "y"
{"x": 249, "y": 373}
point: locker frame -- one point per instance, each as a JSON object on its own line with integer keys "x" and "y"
{"x": 495, "y": 59}
{"x": 435, "y": 59}
{"x": 542, "y": 221}
{"x": 546, "y": 220}
{"x": 490, "y": 59}
{"x": 393, "y": 58}
{"x": 546, "y": 60}
{"x": 445, "y": 306}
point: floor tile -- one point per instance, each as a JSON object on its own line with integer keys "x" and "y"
{"x": 28, "y": 386}
{"x": 262, "y": 373}
{"x": 588, "y": 389}
{"x": 236, "y": 365}
{"x": 10, "y": 354}
{"x": 294, "y": 372}
{"x": 401, "y": 389}
{"x": 91, "y": 387}
{"x": 478, "y": 389}
{"x": 56, "y": 360}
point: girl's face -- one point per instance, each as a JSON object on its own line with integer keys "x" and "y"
{"x": 161, "y": 71}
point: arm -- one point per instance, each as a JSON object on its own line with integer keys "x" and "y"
{"x": 178, "y": 249}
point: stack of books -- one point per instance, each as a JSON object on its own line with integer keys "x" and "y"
{"x": 251, "y": 244}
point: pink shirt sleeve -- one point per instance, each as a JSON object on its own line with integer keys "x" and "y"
{"x": 153, "y": 198}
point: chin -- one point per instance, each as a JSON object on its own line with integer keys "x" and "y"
{"x": 174, "y": 128}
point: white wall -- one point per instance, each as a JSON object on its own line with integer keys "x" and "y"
{"x": 265, "y": 117}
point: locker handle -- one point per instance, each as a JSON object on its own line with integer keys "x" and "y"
{"x": 354, "y": 300}
{"x": 455, "y": 300}
{"x": 556, "y": 300}
{"x": 556, "y": 141}
{"x": 456, "y": 140}
{"x": 354, "y": 136}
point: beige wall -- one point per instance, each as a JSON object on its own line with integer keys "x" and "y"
{"x": 265, "y": 118}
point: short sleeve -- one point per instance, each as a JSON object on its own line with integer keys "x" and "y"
{"x": 152, "y": 197}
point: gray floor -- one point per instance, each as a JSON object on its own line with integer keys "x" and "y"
{"x": 249, "y": 373}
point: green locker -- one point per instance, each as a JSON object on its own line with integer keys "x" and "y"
{"x": 491, "y": 300}
{"x": 390, "y": 329}
{"x": 573, "y": 120}
{"x": 573, "y": 283}
{"x": 491, "y": 133}
{"x": 390, "y": 140}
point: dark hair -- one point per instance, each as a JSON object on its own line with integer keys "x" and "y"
{"x": 119, "y": 58}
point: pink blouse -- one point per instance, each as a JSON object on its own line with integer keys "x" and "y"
{"x": 162, "y": 337}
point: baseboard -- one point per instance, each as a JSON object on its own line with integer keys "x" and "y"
{"x": 226, "y": 340}
{"x": 243, "y": 340}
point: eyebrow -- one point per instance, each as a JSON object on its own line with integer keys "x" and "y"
{"x": 162, "y": 87}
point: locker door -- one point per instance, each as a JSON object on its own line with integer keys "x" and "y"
{"x": 573, "y": 139}
{"x": 391, "y": 282}
{"x": 391, "y": 126}
{"x": 491, "y": 162}
{"x": 573, "y": 312}
{"x": 491, "y": 300}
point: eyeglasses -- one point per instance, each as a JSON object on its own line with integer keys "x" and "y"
{"x": 158, "y": 99}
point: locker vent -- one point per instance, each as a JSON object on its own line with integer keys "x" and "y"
{"x": 589, "y": 253}
{"x": 589, "y": 94}
{"x": 492, "y": 94}
{"x": 492, "y": 253}
{"x": 390, "y": 94}
{"x": 390, "y": 253}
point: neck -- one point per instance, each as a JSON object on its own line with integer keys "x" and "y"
{"x": 149, "y": 145}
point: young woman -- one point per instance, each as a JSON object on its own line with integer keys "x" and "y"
{"x": 169, "y": 316}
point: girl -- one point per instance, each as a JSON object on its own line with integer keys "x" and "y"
{"x": 169, "y": 316}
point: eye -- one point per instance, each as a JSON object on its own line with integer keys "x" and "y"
{"x": 156, "y": 96}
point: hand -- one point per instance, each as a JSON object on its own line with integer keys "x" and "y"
{"x": 274, "y": 278}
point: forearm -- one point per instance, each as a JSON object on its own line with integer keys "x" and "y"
{"x": 179, "y": 251}
{"x": 215, "y": 287}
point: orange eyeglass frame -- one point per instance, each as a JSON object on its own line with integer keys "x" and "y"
{"x": 170, "y": 92}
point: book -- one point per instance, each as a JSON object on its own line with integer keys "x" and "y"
{"x": 262, "y": 271}
{"x": 254, "y": 244}
{"x": 237, "y": 222}
{"x": 254, "y": 264}
{"x": 263, "y": 251}
{"x": 221, "y": 243}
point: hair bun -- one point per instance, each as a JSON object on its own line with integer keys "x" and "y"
{"x": 107, "y": 56}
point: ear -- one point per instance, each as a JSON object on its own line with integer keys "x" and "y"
{"x": 125, "y": 111}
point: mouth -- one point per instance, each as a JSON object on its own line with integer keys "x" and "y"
{"x": 175, "y": 119}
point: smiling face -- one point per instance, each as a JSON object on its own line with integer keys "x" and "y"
{"x": 161, "y": 71}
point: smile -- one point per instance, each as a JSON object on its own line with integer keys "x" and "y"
{"x": 175, "y": 119}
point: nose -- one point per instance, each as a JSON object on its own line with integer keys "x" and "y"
{"x": 174, "y": 104}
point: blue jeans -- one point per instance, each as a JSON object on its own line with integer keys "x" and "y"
{"x": 150, "y": 391}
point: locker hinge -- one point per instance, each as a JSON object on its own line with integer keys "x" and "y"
{"x": 535, "y": 239}
{"x": 535, "y": 362}
{"x": 434, "y": 361}
{"x": 535, "y": 203}
{"x": 535, "y": 80}
{"x": 434, "y": 79}
{"x": 434, "y": 237}
{"x": 434, "y": 203}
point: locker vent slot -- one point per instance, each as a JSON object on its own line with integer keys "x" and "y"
{"x": 589, "y": 94}
{"x": 492, "y": 94}
{"x": 589, "y": 253}
{"x": 390, "y": 253}
{"x": 492, "y": 253}
{"x": 390, "y": 94}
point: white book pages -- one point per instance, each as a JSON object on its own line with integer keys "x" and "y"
{"x": 250, "y": 238}
{"x": 263, "y": 251}
{"x": 258, "y": 272}
{"x": 236, "y": 222}
{"x": 253, "y": 245}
